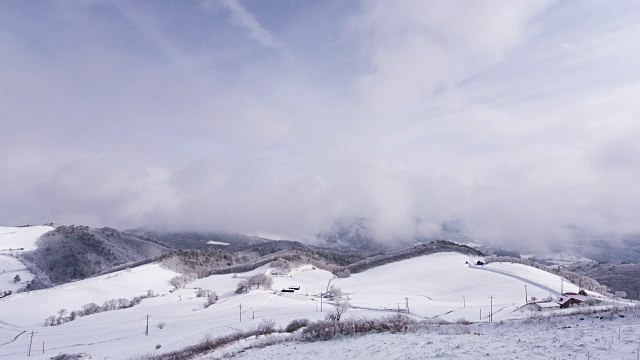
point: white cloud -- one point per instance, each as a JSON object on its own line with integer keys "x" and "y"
{"x": 514, "y": 119}
{"x": 242, "y": 17}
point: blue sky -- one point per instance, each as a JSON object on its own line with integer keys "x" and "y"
{"x": 519, "y": 119}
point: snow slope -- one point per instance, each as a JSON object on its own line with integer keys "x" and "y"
{"x": 9, "y": 268}
{"x": 11, "y": 239}
{"x": 21, "y": 237}
{"x": 442, "y": 285}
{"x": 576, "y": 337}
{"x": 120, "y": 333}
{"x": 437, "y": 285}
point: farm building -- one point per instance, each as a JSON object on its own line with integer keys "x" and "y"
{"x": 565, "y": 301}
{"x": 541, "y": 306}
{"x": 548, "y": 305}
{"x": 570, "y": 299}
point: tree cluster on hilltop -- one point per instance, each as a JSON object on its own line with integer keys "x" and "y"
{"x": 71, "y": 253}
{"x": 408, "y": 253}
{"x": 257, "y": 280}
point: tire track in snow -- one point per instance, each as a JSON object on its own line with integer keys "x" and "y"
{"x": 518, "y": 277}
{"x": 14, "y": 339}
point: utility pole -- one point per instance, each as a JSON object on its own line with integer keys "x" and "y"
{"x": 30, "y": 342}
{"x": 491, "y": 313}
{"x": 320, "y": 302}
{"x": 526, "y": 297}
{"x": 480, "y": 314}
{"x": 464, "y": 301}
{"x": 146, "y": 331}
{"x": 561, "y": 286}
{"x": 406, "y": 299}
{"x": 254, "y": 316}
{"x": 240, "y": 306}
{"x": 43, "y": 347}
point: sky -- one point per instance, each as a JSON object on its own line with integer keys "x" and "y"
{"x": 516, "y": 120}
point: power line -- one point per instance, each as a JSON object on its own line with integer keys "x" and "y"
{"x": 30, "y": 342}
{"x": 491, "y": 314}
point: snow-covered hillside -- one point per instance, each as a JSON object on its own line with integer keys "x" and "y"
{"x": 439, "y": 285}
{"x": 12, "y": 239}
{"x": 443, "y": 285}
{"x": 572, "y": 337}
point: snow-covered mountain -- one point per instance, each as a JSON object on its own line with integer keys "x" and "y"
{"x": 200, "y": 240}
{"x": 69, "y": 253}
{"x": 440, "y": 286}
{"x": 107, "y": 315}
{"x": 350, "y": 234}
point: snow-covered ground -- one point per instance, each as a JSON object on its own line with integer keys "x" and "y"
{"x": 11, "y": 240}
{"x": 438, "y": 285}
{"x": 21, "y": 237}
{"x": 9, "y": 268}
{"x": 211, "y": 242}
{"x": 575, "y": 337}
{"x": 443, "y": 285}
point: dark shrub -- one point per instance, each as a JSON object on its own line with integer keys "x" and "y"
{"x": 296, "y": 324}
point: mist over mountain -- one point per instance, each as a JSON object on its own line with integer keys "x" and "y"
{"x": 350, "y": 234}
{"x": 521, "y": 126}
{"x": 201, "y": 240}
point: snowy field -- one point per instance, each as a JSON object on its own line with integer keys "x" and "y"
{"x": 440, "y": 286}
{"x": 11, "y": 239}
{"x": 574, "y": 337}
{"x": 21, "y": 237}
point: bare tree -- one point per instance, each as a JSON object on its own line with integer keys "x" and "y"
{"x": 123, "y": 303}
{"x": 256, "y": 280}
{"x": 335, "y": 292}
{"x": 211, "y": 299}
{"x": 620, "y": 294}
{"x": 261, "y": 280}
{"x": 109, "y": 305}
{"x": 243, "y": 287}
{"x": 61, "y": 315}
{"x": 90, "y": 308}
{"x": 280, "y": 266}
{"x": 340, "y": 306}
{"x": 266, "y": 326}
{"x": 202, "y": 292}
{"x": 180, "y": 281}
